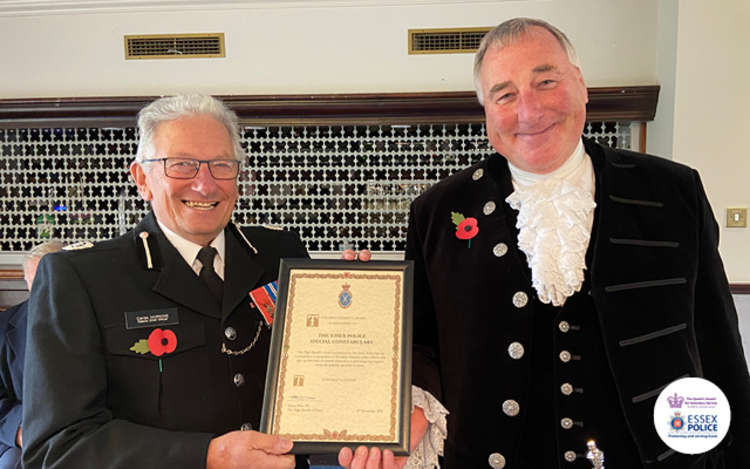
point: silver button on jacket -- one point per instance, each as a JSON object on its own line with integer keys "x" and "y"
{"x": 489, "y": 207}
{"x": 515, "y": 350}
{"x": 520, "y": 299}
{"x": 500, "y": 249}
{"x": 497, "y": 461}
{"x": 230, "y": 333}
{"x": 238, "y": 379}
{"x": 511, "y": 408}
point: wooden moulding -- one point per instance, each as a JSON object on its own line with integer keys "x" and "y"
{"x": 632, "y": 103}
{"x": 11, "y": 274}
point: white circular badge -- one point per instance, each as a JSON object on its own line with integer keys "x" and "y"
{"x": 692, "y": 415}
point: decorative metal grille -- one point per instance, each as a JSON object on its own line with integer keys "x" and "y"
{"x": 334, "y": 185}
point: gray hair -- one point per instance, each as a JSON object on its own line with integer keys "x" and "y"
{"x": 40, "y": 250}
{"x": 175, "y": 107}
{"x": 509, "y": 32}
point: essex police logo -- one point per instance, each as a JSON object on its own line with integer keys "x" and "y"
{"x": 692, "y": 415}
{"x": 345, "y": 297}
{"x": 676, "y": 422}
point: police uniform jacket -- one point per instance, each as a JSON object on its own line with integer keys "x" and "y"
{"x": 93, "y": 398}
{"x": 13, "y": 336}
{"x": 659, "y": 292}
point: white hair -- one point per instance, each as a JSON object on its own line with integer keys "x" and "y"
{"x": 174, "y": 107}
{"x": 38, "y": 251}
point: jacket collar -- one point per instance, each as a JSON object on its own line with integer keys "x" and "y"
{"x": 241, "y": 272}
{"x": 174, "y": 279}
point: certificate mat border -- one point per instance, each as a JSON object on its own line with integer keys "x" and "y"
{"x": 342, "y": 434}
{"x": 403, "y": 407}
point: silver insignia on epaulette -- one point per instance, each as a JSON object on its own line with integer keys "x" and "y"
{"x": 78, "y": 246}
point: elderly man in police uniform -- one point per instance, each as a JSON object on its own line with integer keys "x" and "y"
{"x": 147, "y": 350}
{"x": 560, "y": 284}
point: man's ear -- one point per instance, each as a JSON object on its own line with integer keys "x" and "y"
{"x": 139, "y": 176}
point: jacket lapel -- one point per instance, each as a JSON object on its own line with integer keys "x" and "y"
{"x": 241, "y": 273}
{"x": 500, "y": 172}
{"x": 176, "y": 279}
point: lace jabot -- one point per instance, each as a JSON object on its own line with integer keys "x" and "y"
{"x": 555, "y": 216}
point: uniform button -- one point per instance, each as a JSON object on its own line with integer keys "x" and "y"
{"x": 497, "y": 461}
{"x": 566, "y": 423}
{"x": 230, "y": 333}
{"x": 565, "y": 356}
{"x": 564, "y": 326}
{"x": 520, "y": 299}
{"x": 566, "y": 389}
{"x": 511, "y": 408}
{"x": 500, "y": 249}
{"x": 489, "y": 207}
{"x": 246, "y": 427}
{"x": 570, "y": 456}
{"x": 238, "y": 379}
{"x": 478, "y": 174}
{"x": 515, "y": 350}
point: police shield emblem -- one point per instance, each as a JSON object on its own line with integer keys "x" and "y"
{"x": 345, "y": 297}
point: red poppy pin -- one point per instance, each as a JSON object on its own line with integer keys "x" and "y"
{"x": 466, "y": 228}
{"x": 159, "y": 342}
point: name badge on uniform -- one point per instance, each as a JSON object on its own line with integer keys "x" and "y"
{"x": 265, "y": 299}
{"x": 151, "y": 318}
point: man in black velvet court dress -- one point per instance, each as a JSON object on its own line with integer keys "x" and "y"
{"x": 146, "y": 350}
{"x": 561, "y": 284}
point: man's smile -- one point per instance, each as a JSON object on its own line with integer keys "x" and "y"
{"x": 535, "y": 133}
{"x": 200, "y": 205}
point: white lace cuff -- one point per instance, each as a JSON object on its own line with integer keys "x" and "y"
{"x": 425, "y": 454}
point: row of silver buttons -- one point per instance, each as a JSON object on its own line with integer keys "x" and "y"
{"x": 567, "y": 389}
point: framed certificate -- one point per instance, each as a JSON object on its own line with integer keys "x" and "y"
{"x": 339, "y": 369}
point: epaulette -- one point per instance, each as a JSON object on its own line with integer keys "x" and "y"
{"x": 78, "y": 246}
{"x": 273, "y": 227}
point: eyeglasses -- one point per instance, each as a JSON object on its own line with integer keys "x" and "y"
{"x": 187, "y": 168}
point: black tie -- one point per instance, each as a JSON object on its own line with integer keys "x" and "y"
{"x": 208, "y": 274}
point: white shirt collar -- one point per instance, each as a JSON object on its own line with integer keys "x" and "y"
{"x": 189, "y": 250}
{"x": 574, "y": 161}
{"x": 555, "y": 217}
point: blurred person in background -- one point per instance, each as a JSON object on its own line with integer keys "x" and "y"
{"x": 12, "y": 351}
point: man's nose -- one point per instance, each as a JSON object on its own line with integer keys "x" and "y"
{"x": 203, "y": 182}
{"x": 530, "y": 108}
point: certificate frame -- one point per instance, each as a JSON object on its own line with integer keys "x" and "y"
{"x": 287, "y": 326}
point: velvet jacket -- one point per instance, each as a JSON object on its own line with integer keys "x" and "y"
{"x": 659, "y": 289}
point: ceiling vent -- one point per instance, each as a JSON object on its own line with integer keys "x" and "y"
{"x": 174, "y": 46}
{"x": 445, "y": 41}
